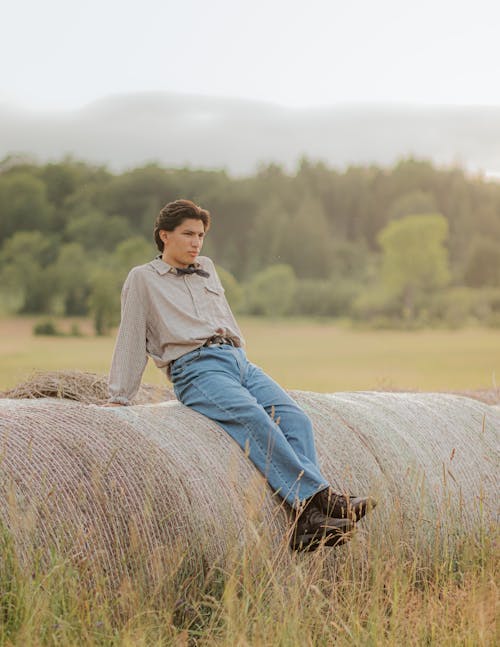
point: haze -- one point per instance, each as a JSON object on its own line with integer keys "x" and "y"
{"x": 63, "y": 54}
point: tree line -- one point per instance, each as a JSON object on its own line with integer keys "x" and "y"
{"x": 409, "y": 245}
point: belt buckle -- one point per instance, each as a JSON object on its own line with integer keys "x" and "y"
{"x": 219, "y": 340}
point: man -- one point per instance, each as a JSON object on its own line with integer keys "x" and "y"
{"x": 174, "y": 311}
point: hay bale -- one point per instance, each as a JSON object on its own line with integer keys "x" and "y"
{"x": 127, "y": 489}
{"x": 488, "y": 396}
{"x": 80, "y": 386}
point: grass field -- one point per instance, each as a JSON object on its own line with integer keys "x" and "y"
{"x": 389, "y": 591}
{"x": 299, "y": 354}
{"x": 368, "y": 597}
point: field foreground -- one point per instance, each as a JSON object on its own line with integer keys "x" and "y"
{"x": 369, "y": 593}
{"x": 363, "y": 595}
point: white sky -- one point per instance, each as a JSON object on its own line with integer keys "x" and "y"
{"x": 66, "y": 53}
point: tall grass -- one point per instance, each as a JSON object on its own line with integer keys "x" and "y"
{"x": 383, "y": 588}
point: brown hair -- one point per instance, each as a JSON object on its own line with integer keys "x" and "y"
{"x": 174, "y": 213}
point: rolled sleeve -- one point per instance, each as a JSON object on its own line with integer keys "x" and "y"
{"x": 129, "y": 356}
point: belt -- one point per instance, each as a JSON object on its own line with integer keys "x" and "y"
{"x": 217, "y": 339}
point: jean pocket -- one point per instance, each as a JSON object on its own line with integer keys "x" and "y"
{"x": 183, "y": 362}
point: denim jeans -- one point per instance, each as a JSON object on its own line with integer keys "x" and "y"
{"x": 220, "y": 383}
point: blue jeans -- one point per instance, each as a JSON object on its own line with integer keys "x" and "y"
{"x": 220, "y": 383}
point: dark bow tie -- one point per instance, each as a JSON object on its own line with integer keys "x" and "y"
{"x": 192, "y": 269}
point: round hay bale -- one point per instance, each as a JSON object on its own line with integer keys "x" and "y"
{"x": 130, "y": 490}
{"x": 81, "y": 386}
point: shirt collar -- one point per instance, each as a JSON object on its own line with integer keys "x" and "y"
{"x": 164, "y": 268}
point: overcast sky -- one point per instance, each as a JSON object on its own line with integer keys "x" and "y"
{"x": 58, "y": 54}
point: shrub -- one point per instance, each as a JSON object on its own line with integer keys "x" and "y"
{"x": 376, "y": 302}
{"x": 234, "y": 291}
{"x": 459, "y": 306}
{"x": 272, "y": 291}
{"x": 331, "y": 298}
{"x": 46, "y": 327}
{"x": 75, "y": 331}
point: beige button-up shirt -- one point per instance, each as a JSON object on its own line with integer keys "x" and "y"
{"x": 163, "y": 316}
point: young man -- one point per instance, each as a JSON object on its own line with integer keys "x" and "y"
{"x": 174, "y": 311}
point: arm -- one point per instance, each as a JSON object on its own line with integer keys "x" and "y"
{"x": 129, "y": 357}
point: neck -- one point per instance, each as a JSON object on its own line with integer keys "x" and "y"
{"x": 165, "y": 258}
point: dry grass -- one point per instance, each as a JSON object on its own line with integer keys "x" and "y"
{"x": 325, "y": 357}
{"x": 80, "y": 386}
{"x": 321, "y": 357}
{"x": 369, "y": 594}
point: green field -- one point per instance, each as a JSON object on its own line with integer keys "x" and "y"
{"x": 300, "y": 354}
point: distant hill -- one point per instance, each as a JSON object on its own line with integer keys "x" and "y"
{"x": 176, "y": 130}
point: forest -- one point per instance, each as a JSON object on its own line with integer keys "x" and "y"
{"x": 410, "y": 246}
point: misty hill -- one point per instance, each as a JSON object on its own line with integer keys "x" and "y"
{"x": 176, "y": 130}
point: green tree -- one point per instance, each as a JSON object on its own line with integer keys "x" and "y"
{"x": 131, "y": 252}
{"x": 233, "y": 290}
{"x": 271, "y": 291}
{"x": 24, "y": 264}
{"x": 351, "y": 260}
{"x": 233, "y": 210}
{"x": 61, "y": 180}
{"x": 138, "y": 195}
{"x": 353, "y": 211}
{"x": 104, "y": 299}
{"x": 412, "y": 204}
{"x": 23, "y": 204}
{"x": 97, "y": 231}
{"x": 320, "y": 297}
{"x": 483, "y": 265}
{"x": 307, "y": 242}
{"x": 410, "y": 175}
{"x": 106, "y": 281}
{"x": 415, "y": 260}
{"x": 67, "y": 183}
{"x": 267, "y": 236}
{"x": 71, "y": 274}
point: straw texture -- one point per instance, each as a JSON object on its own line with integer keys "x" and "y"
{"x": 129, "y": 489}
{"x": 81, "y": 386}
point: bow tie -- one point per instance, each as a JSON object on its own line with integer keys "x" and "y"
{"x": 192, "y": 269}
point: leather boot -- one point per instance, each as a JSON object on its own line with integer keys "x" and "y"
{"x": 340, "y": 506}
{"x": 313, "y": 528}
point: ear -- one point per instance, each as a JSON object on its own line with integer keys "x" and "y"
{"x": 163, "y": 236}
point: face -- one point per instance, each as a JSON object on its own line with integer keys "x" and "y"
{"x": 184, "y": 243}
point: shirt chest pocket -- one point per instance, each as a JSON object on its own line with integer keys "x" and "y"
{"x": 214, "y": 301}
{"x": 214, "y": 290}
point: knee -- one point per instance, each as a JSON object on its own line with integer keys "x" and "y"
{"x": 291, "y": 417}
{"x": 256, "y": 416}
{"x": 306, "y": 425}
{"x": 303, "y": 419}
